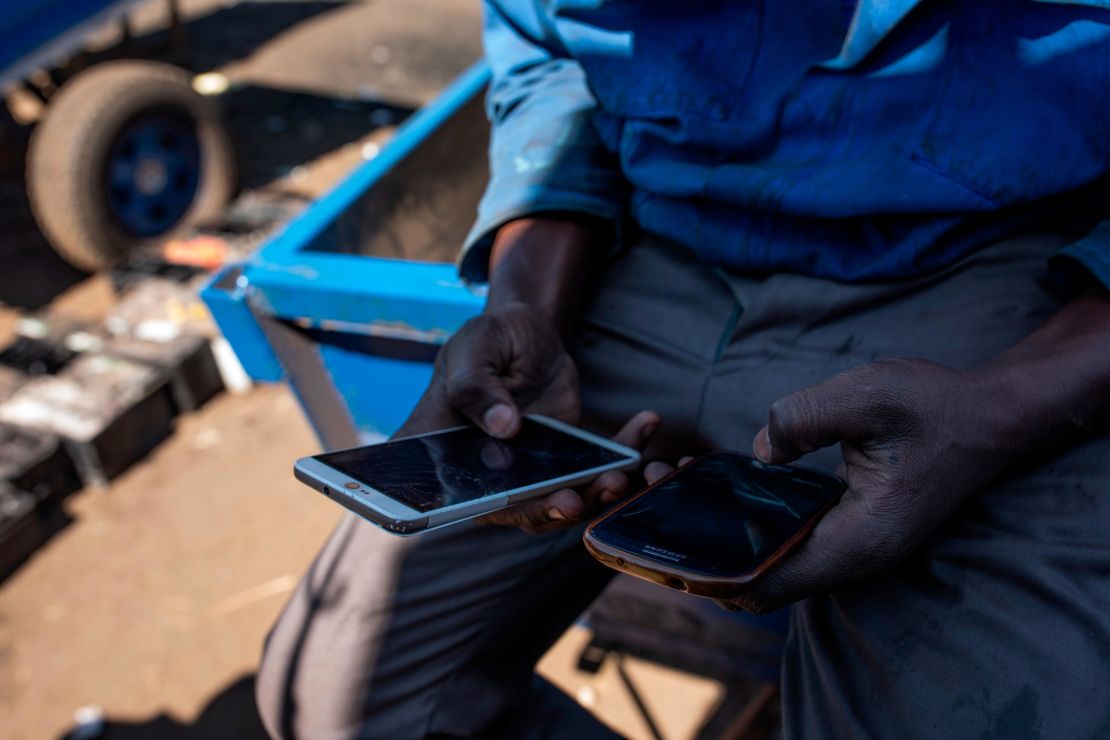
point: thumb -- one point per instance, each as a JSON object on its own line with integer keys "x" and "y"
{"x": 814, "y": 417}
{"x": 483, "y": 398}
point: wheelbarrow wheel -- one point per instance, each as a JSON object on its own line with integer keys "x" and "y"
{"x": 126, "y": 151}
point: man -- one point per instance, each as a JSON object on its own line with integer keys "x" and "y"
{"x": 866, "y": 225}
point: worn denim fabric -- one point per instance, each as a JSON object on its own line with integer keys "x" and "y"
{"x": 834, "y": 138}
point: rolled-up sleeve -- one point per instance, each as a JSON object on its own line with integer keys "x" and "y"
{"x": 545, "y": 155}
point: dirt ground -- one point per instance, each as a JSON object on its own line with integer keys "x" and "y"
{"x": 153, "y": 601}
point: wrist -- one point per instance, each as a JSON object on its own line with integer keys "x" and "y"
{"x": 544, "y": 262}
{"x": 999, "y": 400}
{"x": 1024, "y": 406}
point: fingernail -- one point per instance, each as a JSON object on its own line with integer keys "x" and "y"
{"x": 554, "y": 513}
{"x": 608, "y": 497}
{"x": 498, "y": 419}
{"x": 763, "y": 446}
{"x": 649, "y": 430}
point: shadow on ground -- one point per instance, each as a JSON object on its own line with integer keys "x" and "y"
{"x": 234, "y": 32}
{"x": 275, "y": 130}
{"x": 230, "y": 715}
{"x": 205, "y": 42}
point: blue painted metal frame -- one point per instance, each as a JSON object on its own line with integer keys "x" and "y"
{"x": 413, "y": 300}
{"x": 296, "y": 280}
{"x": 225, "y": 296}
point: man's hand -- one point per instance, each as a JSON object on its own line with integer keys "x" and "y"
{"x": 566, "y": 507}
{"x": 917, "y": 439}
{"x": 500, "y": 365}
{"x": 511, "y": 360}
{"x": 512, "y": 356}
{"x": 505, "y": 360}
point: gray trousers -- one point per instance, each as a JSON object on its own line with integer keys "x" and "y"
{"x": 1000, "y": 627}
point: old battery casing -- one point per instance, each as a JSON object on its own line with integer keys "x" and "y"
{"x": 110, "y": 411}
{"x": 186, "y": 358}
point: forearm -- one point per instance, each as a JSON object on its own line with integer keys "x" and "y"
{"x": 1054, "y": 386}
{"x": 547, "y": 262}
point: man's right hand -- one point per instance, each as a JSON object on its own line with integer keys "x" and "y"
{"x": 512, "y": 360}
{"x": 507, "y": 361}
{"x": 502, "y": 363}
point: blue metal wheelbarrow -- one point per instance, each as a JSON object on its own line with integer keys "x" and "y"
{"x": 124, "y": 150}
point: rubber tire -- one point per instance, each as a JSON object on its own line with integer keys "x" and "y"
{"x": 69, "y": 149}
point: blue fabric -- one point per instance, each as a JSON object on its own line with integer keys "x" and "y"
{"x": 845, "y": 140}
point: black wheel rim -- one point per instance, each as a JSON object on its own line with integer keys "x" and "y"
{"x": 153, "y": 173}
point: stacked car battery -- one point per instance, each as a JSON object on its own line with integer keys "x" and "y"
{"x": 80, "y": 403}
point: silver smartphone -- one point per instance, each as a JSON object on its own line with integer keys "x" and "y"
{"x": 413, "y": 484}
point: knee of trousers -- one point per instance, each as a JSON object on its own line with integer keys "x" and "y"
{"x": 319, "y": 659}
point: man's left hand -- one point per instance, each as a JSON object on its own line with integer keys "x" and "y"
{"x": 917, "y": 439}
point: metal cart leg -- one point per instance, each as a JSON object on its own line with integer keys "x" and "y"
{"x": 309, "y": 379}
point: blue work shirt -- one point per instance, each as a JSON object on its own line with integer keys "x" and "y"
{"x": 845, "y": 139}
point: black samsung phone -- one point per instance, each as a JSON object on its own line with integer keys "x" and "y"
{"x": 714, "y": 525}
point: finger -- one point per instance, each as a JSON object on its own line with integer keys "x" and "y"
{"x": 610, "y": 486}
{"x": 638, "y": 430}
{"x": 479, "y": 394}
{"x": 605, "y": 489}
{"x": 845, "y": 546}
{"x": 815, "y": 417}
{"x": 656, "y": 471}
{"x": 555, "y": 510}
{"x": 432, "y": 412}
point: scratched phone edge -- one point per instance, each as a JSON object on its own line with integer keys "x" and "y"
{"x": 398, "y": 519}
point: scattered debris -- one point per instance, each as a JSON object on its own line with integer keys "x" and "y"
{"x": 109, "y": 411}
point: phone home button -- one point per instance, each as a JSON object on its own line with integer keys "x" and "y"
{"x": 352, "y": 485}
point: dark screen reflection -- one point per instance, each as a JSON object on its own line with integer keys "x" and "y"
{"x": 722, "y": 515}
{"x": 445, "y": 469}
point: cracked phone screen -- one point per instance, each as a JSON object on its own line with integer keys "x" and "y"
{"x": 456, "y": 466}
{"x": 722, "y": 515}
